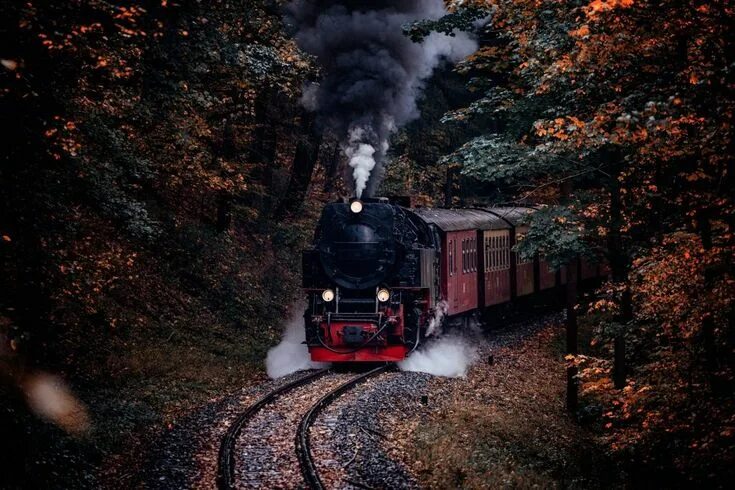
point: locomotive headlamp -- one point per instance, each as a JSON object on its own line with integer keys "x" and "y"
{"x": 383, "y": 295}
{"x": 355, "y": 206}
{"x": 327, "y": 295}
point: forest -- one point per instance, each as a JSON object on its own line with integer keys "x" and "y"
{"x": 162, "y": 169}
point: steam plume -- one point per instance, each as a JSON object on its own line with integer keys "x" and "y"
{"x": 436, "y": 320}
{"x": 291, "y": 354}
{"x": 449, "y": 356}
{"x": 372, "y": 73}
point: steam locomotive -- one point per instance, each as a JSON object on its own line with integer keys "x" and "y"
{"x": 380, "y": 276}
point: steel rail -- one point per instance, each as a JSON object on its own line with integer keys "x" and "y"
{"x": 303, "y": 443}
{"x": 226, "y": 457}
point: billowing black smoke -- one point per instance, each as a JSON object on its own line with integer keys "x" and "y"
{"x": 372, "y": 73}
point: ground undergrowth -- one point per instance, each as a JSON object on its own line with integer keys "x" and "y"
{"x": 505, "y": 424}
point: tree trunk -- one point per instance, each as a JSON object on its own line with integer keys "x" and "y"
{"x": 619, "y": 362}
{"x": 708, "y": 322}
{"x": 224, "y": 215}
{"x": 572, "y": 342}
{"x": 452, "y": 187}
{"x": 571, "y": 303}
{"x": 330, "y": 168}
{"x": 263, "y": 148}
{"x": 304, "y": 161}
{"x": 619, "y": 268}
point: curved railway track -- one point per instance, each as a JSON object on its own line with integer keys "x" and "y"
{"x": 303, "y": 445}
{"x": 227, "y": 455}
{"x": 226, "y": 458}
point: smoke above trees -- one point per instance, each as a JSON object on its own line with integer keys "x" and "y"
{"x": 372, "y": 74}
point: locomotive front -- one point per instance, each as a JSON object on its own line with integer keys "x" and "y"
{"x": 370, "y": 279}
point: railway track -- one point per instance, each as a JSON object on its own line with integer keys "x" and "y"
{"x": 226, "y": 476}
{"x": 303, "y": 445}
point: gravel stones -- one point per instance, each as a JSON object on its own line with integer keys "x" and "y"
{"x": 266, "y": 456}
{"x": 185, "y": 455}
{"x": 353, "y": 439}
{"x": 358, "y": 441}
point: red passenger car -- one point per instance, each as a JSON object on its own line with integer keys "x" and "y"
{"x": 497, "y": 266}
{"x": 461, "y": 250}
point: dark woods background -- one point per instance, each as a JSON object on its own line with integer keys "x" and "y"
{"x": 159, "y": 179}
{"x": 155, "y": 171}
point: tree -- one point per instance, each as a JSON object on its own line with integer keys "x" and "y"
{"x": 631, "y": 102}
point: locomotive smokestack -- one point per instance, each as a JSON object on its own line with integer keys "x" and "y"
{"x": 372, "y": 73}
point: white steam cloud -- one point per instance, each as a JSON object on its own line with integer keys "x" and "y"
{"x": 291, "y": 354}
{"x": 435, "y": 323}
{"x": 449, "y": 356}
{"x": 361, "y": 160}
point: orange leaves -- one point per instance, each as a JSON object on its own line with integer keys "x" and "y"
{"x": 560, "y": 128}
{"x": 695, "y": 176}
{"x": 581, "y": 32}
{"x": 595, "y": 7}
{"x": 63, "y": 136}
{"x": 668, "y": 285}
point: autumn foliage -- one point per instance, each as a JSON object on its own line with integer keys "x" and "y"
{"x": 617, "y": 116}
{"x": 151, "y": 209}
{"x": 159, "y": 176}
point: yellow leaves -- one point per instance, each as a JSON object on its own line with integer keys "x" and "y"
{"x": 64, "y": 136}
{"x": 83, "y": 29}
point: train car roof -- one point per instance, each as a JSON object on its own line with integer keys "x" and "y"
{"x": 473, "y": 219}
{"x": 513, "y": 214}
{"x": 460, "y": 219}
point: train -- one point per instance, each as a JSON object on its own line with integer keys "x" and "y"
{"x": 382, "y": 276}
